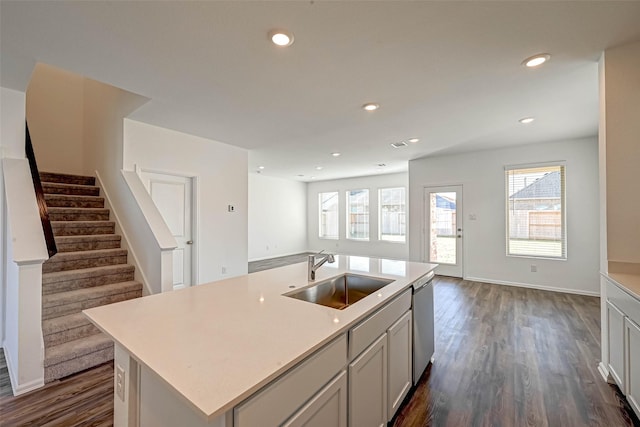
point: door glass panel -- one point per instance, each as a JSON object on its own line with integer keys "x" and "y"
{"x": 442, "y": 227}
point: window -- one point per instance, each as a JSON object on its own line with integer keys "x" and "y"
{"x": 392, "y": 217}
{"x": 358, "y": 214}
{"x": 328, "y": 203}
{"x": 536, "y": 225}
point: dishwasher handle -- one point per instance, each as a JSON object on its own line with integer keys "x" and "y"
{"x": 420, "y": 283}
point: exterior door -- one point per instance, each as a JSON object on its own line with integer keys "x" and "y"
{"x": 173, "y": 195}
{"x": 442, "y": 241}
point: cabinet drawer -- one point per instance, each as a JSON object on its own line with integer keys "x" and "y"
{"x": 277, "y": 401}
{"x": 625, "y": 302}
{"x": 362, "y": 335}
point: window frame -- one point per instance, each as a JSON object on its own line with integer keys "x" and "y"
{"x": 563, "y": 206}
{"x": 337, "y": 235}
{"x": 347, "y": 214}
{"x": 404, "y": 236}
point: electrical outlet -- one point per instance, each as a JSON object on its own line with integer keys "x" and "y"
{"x": 120, "y": 382}
{"x": 224, "y": 270}
{"x": 231, "y": 208}
{"x": 534, "y": 268}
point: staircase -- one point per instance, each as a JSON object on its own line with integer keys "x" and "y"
{"x": 89, "y": 270}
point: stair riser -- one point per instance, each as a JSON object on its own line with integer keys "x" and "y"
{"x": 67, "y": 179}
{"x": 82, "y": 230}
{"x": 88, "y": 245}
{"x": 49, "y": 312}
{"x": 89, "y": 282}
{"x": 79, "y": 216}
{"x": 74, "y": 191}
{"x": 69, "y": 335}
{"x": 58, "y": 202}
{"x": 52, "y": 373}
{"x": 52, "y": 266}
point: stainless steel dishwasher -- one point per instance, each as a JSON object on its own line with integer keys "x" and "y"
{"x": 423, "y": 333}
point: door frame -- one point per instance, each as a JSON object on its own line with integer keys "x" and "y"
{"x": 195, "y": 216}
{"x": 459, "y": 215}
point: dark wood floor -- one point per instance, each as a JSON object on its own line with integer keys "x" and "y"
{"x": 84, "y": 399}
{"x": 505, "y": 356}
{"x": 508, "y": 356}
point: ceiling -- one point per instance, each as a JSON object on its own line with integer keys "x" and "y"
{"x": 446, "y": 72}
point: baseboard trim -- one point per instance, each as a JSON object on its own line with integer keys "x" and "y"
{"x": 532, "y": 286}
{"x": 19, "y": 389}
{"x": 603, "y": 371}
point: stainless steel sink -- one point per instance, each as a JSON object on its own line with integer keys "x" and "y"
{"x": 341, "y": 291}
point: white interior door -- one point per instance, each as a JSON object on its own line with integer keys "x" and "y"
{"x": 173, "y": 195}
{"x": 442, "y": 242}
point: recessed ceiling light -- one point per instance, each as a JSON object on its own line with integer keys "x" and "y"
{"x": 413, "y": 140}
{"x": 536, "y": 60}
{"x": 318, "y": 168}
{"x": 370, "y": 106}
{"x": 526, "y": 120}
{"x": 312, "y": 177}
{"x": 260, "y": 167}
{"x": 281, "y": 37}
{"x": 398, "y": 144}
{"x": 335, "y": 154}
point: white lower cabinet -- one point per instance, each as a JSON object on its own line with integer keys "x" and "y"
{"x": 623, "y": 318}
{"x": 399, "y": 362}
{"x": 632, "y": 335}
{"x": 368, "y": 386}
{"x": 327, "y": 408}
{"x": 615, "y": 322}
{"x": 287, "y": 395}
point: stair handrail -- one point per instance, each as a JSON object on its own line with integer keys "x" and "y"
{"x": 42, "y": 204}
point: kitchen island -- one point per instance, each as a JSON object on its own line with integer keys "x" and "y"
{"x": 192, "y": 357}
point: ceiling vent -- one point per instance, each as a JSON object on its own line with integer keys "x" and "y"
{"x": 398, "y": 144}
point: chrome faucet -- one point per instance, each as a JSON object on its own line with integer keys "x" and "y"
{"x": 313, "y": 266}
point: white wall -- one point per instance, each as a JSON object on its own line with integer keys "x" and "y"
{"x": 482, "y": 176}
{"x": 373, "y": 247}
{"x": 12, "y": 138}
{"x": 222, "y": 180}
{"x": 55, "y": 106}
{"x": 277, "y": 217}
{"x": 620, "y": 135}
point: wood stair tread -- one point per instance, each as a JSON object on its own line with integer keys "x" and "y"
{"x": 73, "y": 349}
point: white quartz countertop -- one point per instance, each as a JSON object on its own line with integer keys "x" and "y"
{"x": 627, "y": 281}
{"x": 216, "y": 344}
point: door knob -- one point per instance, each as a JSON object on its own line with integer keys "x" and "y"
{"x": 189, "y": 242}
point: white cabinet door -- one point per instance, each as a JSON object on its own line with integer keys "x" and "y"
{"x": 632, "y": 335}
{"x": 615, "y": 324}
{"x": 328, "y": 408}
{"x": 400, "y": 362}
{"x": 368, "y": 386}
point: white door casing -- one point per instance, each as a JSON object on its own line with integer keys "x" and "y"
{"x": 173, "y": 196}
{"x": 442, "y": 229}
